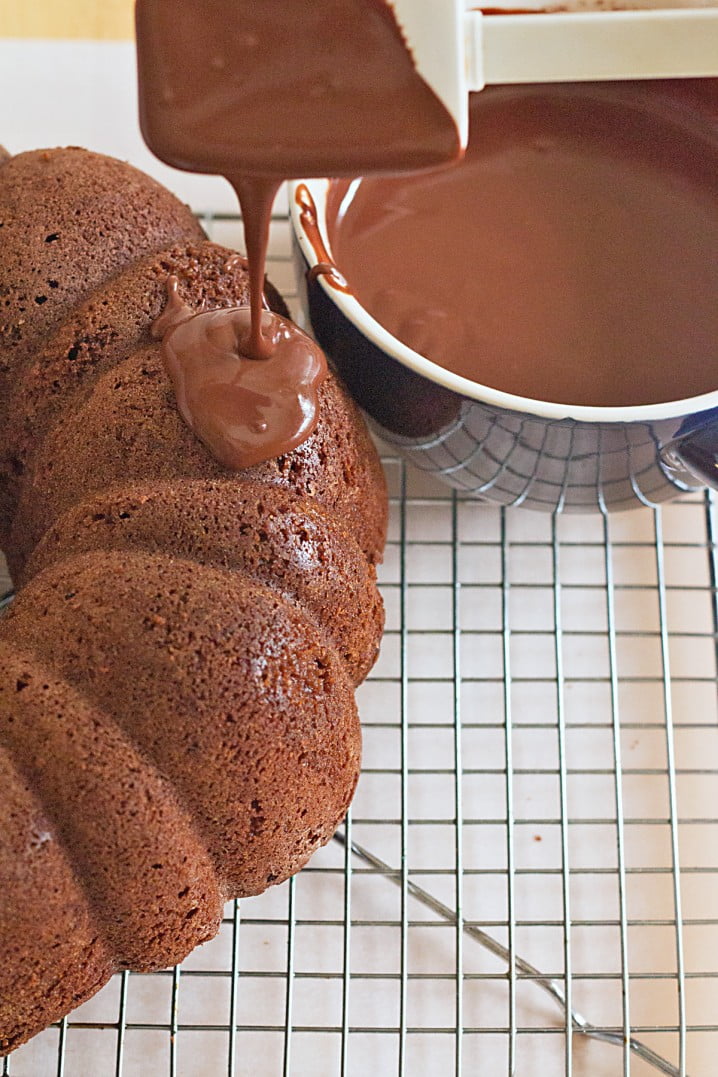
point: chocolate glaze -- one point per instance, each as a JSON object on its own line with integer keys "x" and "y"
{"x": 329, "y": 270}
{"x": 571, "y": 257}
{"x": 261, "y": 92}
{"x": 325, "y": 266}
{"x": 271, "y": 88}
{"x": 244, "y": 410}
{"x": 256, "y": 196}
{"x": 174, "y": 312}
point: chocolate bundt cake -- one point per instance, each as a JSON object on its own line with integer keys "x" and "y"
{"x": 177, "y": 672}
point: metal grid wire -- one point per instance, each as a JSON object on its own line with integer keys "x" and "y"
{"x": 528, "y": 879}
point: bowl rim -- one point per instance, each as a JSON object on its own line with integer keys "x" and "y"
{"x": 352, "y": 309}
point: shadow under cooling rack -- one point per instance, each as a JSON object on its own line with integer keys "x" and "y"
{"x": 534, "y": 834}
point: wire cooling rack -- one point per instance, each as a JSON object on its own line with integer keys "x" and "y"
{"x": 528, "y": 879}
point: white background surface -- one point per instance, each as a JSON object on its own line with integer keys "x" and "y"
{"x": 84, "y": 93}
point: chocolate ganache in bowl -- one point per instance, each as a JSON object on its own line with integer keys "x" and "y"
{"x": 538, "y": 324}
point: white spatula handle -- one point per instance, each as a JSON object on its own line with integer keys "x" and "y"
{"x": 587, "y": 46}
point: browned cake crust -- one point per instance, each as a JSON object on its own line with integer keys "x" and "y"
{"x": 177, "y": 720}
{"x": 268, "y": 533}
{"x": 71, "y": 219}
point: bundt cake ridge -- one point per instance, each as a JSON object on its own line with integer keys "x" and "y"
{"x": 177, "y": 718}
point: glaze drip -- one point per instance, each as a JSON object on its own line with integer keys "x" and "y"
{"x": 325, "y": 266}
{"x": 256, "y": 196}
{"x": 175, "y": 310}
{"x": 244, "y": 410}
